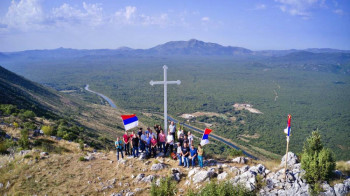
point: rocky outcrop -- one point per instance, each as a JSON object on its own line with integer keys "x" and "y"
{"x": 158, "y": 166}
{"x": 292, "y": 159}
{"x": 240, "y": 160}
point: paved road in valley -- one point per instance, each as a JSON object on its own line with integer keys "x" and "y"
{"x": 111, "y": 103}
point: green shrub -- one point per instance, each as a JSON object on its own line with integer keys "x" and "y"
{"x": 81, "y": 145}
{"x": 27, "y": 156}
{"x": 3, "y": 147}
{"x": 23, "y": 140}
{"x": 81, "y": 159}
{"x": 221, "y": 189}
{"x": 29, "y": 125}
{"x": 167, "y": 187}
{"x": 318, "y": 162}
{"x": 235, "y": 153}
{"x": 27, "y": 114}
{"x": 48, "y": 130}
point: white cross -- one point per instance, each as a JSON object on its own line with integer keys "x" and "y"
{"x": 165, "y": 83}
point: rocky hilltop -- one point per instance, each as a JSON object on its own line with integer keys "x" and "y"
{"x": 73, "y": 172}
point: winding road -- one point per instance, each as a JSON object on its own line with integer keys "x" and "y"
{"x": 111, "y": 103}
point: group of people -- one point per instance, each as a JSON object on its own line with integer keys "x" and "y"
{"x": 150, "y": 142}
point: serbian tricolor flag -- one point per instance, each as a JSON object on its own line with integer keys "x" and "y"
{"x": 130, "y": 121}
{"x": 205, "y": 139}
{"x": 287, "y": 130}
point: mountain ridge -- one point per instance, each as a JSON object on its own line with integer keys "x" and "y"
{"x": 190, "y": 47}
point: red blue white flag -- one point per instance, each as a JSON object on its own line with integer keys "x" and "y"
{"x": 130, "y": 121}
{"x": 205, "y": 139}
{"x": 287, "y": 130}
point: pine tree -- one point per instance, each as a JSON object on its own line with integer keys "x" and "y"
{"x": 317, "y": 161}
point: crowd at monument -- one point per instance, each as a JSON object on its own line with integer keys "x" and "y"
{"x": 176, "y": 144}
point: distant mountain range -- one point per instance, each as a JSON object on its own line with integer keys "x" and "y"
{"x": 192, "y": 47}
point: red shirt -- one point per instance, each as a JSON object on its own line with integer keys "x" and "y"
{"x": 153, "y": 141}
{"x": 161, "y": 137}
{"x": 126, "y": 138}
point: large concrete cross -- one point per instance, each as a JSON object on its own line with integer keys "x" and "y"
{"x": 165, "y": 83}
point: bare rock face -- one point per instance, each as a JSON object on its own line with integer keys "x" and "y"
{"x": 292, "y": 159}
{"x": 342, "y": 189}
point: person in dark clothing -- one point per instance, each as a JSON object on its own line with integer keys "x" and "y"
{"x": 181, "y": 140}
{"x": 186, "y": 154}
{"x": 139, "y": 132}
{"x": 186, "y": 140}
{"x": 135, "y": 146}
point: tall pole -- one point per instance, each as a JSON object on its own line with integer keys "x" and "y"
{"x": 288, "y": 134}
{"x": 165, "y": 101}
{"x": 285, "y": 167}
{"x": 165, "y": 83}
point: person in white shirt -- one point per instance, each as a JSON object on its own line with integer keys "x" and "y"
{"x": 169, "y": 143}
{"x": 179, "y": 133}
{"x": 190, "y": 138}
{"x": 172, "y": 128}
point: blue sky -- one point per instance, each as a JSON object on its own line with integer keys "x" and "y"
{"x": 253, "y": 24}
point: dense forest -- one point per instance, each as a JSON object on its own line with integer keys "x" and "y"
{"x": 316, "y": 98}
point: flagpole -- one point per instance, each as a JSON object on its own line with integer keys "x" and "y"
{"x": 285, "y": 167}
{"x": 288, "y": 134}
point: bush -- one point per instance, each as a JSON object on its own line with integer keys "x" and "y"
{"x": 167, "y": 187}
{"x": 48, "y": 130}
{"x": 27, "y": 114}
{"x": 235, "y": 153}
{"x": 27, "y": 156}
{"x": 29, "y": 125}
{"x": 23, "y": 141}
{"x": 81, "y": 159}
{"x": 81, "y": 145}
{"x": 318, "y": 162}
{"x": 221, "y": 189}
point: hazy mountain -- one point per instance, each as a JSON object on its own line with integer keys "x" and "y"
{"x": 196, "y": 47}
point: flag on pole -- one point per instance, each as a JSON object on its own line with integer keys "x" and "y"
{"x": 205, "y": 139}
{"x": 130, "y": 121}
{"x": 287, "y": 130}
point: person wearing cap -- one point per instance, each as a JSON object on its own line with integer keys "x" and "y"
{"x": 179, "y": 153}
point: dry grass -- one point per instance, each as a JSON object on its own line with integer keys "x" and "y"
{"x": 344, "y": 167}
{"x": 272, "y": 165}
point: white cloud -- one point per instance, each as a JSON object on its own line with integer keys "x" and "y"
{"x": 129, "y": 15}
{"x": 24, "y": 14}
{"x": 205, "y": 19}
{"x": 91, "y": 15}
{"x": 299, "y": 7}
{"x": 338, "y": 11}
{"x": 260, "y": 7}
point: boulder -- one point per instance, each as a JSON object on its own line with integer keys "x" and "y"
{"x": 142, "y": 156}
{"x": 235, "y": 170}
{"x": 138, "y": 190}
{"x": 201, "y": 176}
{"x": 122, "y": 161}
{"x": 292, "y": 159}
{"x": 130, "y": 194}
{"x": 244, "y": 169}
{"x": 340, "y": 189}
{"x": 116, "y": 194}
{"x": 139, "y": 177}
{"x": 24, "y": 152}
{"x": 247, "y": 179}
{"x": 240, "y": 160}
{"x": 90, "y": 157}
{"x": 259, "y": 169}
{"x": 328, "y": 190}
{"x": 222, "y": 176}
{"x": 148, "y": 179}
{"x": 193, "y": 171}
{"x": 158, "y": 166}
